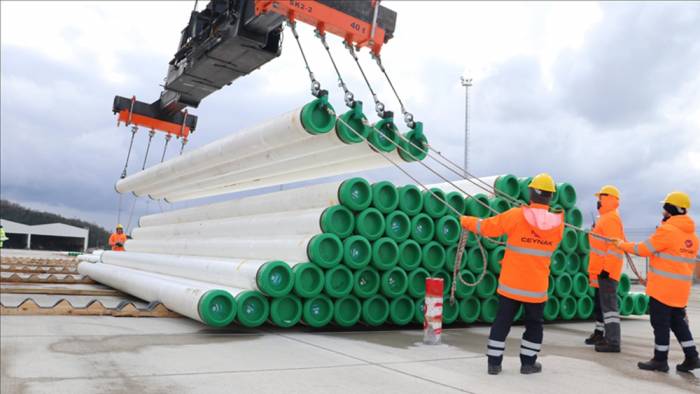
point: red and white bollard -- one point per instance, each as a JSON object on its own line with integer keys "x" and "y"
{"x": 432, "y": 315}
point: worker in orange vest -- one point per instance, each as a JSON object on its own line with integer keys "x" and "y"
{"x": 604, "y": 270}
{"x": 673, "y": 250}
{"x": 118, "y": 239}
{"x": 533, "y": 235}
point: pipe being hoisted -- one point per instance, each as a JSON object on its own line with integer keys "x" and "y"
{"x": 317, "y": 117}
{"x": 273, "y": 278}
{"x": 506, "y": 184}
{"x": 205, "y": 302}
{"x": 353, "y": 193}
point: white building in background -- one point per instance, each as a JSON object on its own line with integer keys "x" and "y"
{"x": 39, "y": 236}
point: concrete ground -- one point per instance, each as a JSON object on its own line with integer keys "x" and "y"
{"x": 70, "y": 354}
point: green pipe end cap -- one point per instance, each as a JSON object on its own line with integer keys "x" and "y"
{"x": 338, "y": 220}
{"x": 217, "y": 308}
{"x": 469, "y": 309}
{"x": 489, "y": 307}
{"x": 355, "y": 193}
{"x": 357, "y": 252}
{"x": 457, "y": 202}
{"x": 285, "y": 312}
{"x": 253, "y": 308}
{"x": 339, "y": 281}
{"x": 499, "y": 204}
{"x": 566, "y": 195}
{"x": 477, "y": 205}
{"x": 410, "y": 255}
{"x": 507, "y": 185}
{"x": 580, "y": 286}
{"x": 275, "y": 279}
{"x": 447, "y": 230}
{"x": 624, "y": 285}
{"x": 353, "y": 126}
{"x": 385, "y": 197}
{"x": 558, "y": 262}
{"x": 385, "y": 254}
{"x": 487, "y": 287}
{"x": 318, "y": 116}
{"x": 347, "y": 311}
{"x": 584, "y": 307}
{"x": 410, "y": 200}
{"x": 451, "y": 255}
{"x": 384, "y": 135}
{"x": 394, "y": 282}
{"x": 433, "y": 256}
{"x": 432, "y": 205}
{"x": 318, "y": 311}
{"x": 551, "y": 309}
{"x": 450, "y": 311}
{"x": 375, "y": 310}
{"x": 398, "y": 226}
{"x": 308, "y": 280}
{"x": 326, "y": 250}
{"x": 370, "y": 223}
{"x": 422, "y": 228}
{"x": 414, "y": 144}
{"x": 568, "y": 308}
{"x": 366, "y": 282}
{"x": 446, "y": 280}
{"x": 401, "y": 310}
{"x": 563, "y": 285}
{"x": 416, "y": 282}
{"x": 475, "y": 260}
{"x": 574, "y": 216}
{"x": 462, "y": 290}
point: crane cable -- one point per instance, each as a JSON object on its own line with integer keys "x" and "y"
{"x": 378, "y": 105}
{"x": 315, "y": 85}
{"x": 349, "y": 97}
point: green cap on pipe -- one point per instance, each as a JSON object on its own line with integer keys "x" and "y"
{"x": 489, "y": 308}
{"x": 624, "y": 285}
{"x": 338, "y": 220}
{"x": 275, "y": 279}
{"x": 375, "y": 310}
{"x": 419, "y": 312}
{"x": 355, "y": 194}
{"x": 347, "y": 311}
{"x": 525, "y": 189}
{"x": 339, "y": 281}
{"x": 495, "y": 258}
{"x": 446, "y": 280}
{"x": 308, "y": 280}
{"x": 354, "y": 122}
{"x": 383, "y": 135}
{"x": 366, "y": 282}
{"x": 318, "y": 311}
{"x": 447, "y": 230}
{"x": 325, "y": 249}
{"x": 558, "y": 262}
{"x": 217, "y": 308}
{"x": 433, "y": 256}
{"x": 477, "y": 206}
{"x": 584, "y": 247}
{"x": 566, "y": 195}
{"x": 410, "y": 255}
{"x": 469, "y": 309}
{"x": 569, "y": 241}
{"x": 499, "y": 204}
{"x": 398, "y": 226}
{"x": 573, "y": 263}
{"x": 357, "y": 252}
{"x": 475, "y": 260}
{"x": 568, "y": 307}
{"x": 318, "y": 116}
{"x": 584, "y": 263}
{"x": 417, "y": 149}
{"x": 416, "y": 282}
{"x": 580, "y": 287}
{"x": 563, "y": 285}
{"x": 457, "y": 202}
{"x": 462, "y": 290}
{"x": 508, "y": 185}
{"x": 451, "y": 255}
{"x": 574, "y": 216}
{"x": 410, "y": 200}
{"x": 253, "y": 308}
{"x": 370, "y": 224}
{"x": 471, "y": 240}
{"x": 556, "y": 208}
{"x": 422, "y": 228}
{"x": 641, "y": 303}
{"x": 385, "y": 197}
{"x": 487, "y": 287}
{"x": 285, "y": 311}
{"x": 551, "y": 309}
{"x": 450, "y": 311}
{"x": 431, "y": 205}
{"x": 385, "y": 254}
{"x": 394, "y": 282}
{"x": 401, "y": 310}
{"x": 584, "y": 307}
{"x": 550, "y": 286}
{"x": 591, "y": 292}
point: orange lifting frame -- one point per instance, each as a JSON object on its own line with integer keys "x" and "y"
{"x": 129, "y": 118}
{"x": 328, "y": 19}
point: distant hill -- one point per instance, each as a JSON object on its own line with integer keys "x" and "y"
{"x": 17, "y": 213}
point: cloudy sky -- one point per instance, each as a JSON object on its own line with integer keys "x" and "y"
{"x": 592, "y": 93}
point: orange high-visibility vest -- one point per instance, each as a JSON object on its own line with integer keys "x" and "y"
{"x": 116, "y": 238}
{"x": 604, "y": 256}
{"x": 525, "y": 266}
{"x": 673, "y": 249}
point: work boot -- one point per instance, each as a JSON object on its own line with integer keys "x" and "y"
{"x": 604, "y": 346}
{"x": 688, "y": 364}
{"x": 528, "y": 369}
{"x": 653, "y": 365}
{"x": 596, "y": 337}
{"x": 494, "y": 369}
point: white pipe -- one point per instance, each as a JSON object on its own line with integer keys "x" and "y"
{"x": 90, "y": 258}
{"x": 270, "y": 277}
{"x": 364, "y": 163}
{"x": 180, "y": 295}
{"x": 266, "y": 225}
{"x": 315, "y": 196}
{"x": 279, "y": 131}
{"x": 469, "y": 186}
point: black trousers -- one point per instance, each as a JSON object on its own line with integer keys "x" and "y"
{"x": 531, "y": 342}
{"x": 598, "y": 312}
{"x": 664, "y": 319}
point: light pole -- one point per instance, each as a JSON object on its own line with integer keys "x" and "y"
{"x": 467, "y": 83}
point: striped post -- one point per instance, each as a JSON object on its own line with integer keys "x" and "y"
{"x": 432, "y": 321}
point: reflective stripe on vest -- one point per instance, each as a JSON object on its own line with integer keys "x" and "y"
{"x": 478, "y": 226}
{"x": 597, "y": 251}
{"x": 594, "y": 281}
{"x": 614, "y": 253}
{"x": 677, "y": 259}
{"x": 530, "y": 251}
{"x": 671, "y": 275}
{"x": 649, "y": 246}
{"x": 524, "y": 293}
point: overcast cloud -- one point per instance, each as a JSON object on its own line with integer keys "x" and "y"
{"x": 592, "y": 93}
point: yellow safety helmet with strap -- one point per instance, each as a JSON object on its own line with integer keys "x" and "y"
{"x": 609, "y": 190}
{"x": 543, "y": 182}
{"x": 679, "y": 199}
{"x": 119, "y": 226}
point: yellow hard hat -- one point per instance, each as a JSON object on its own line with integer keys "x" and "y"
{"x": 679, "y": 199}
{"x": 119, "y": 226}
{"x": 609, "y": 190}
{"x": 543, "y": 182}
